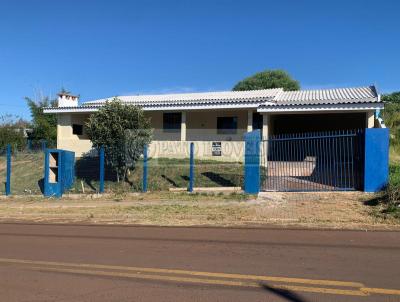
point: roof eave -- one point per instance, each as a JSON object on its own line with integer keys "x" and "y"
{"x": 161, "y": 107}
{"x": 321, "y": 107}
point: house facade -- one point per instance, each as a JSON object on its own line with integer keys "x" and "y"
{"x": 217, "y": 121}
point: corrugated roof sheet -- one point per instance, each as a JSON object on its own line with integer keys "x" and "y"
{"x": 326, "y": 96}
{"x": 256, "y": 98}
{"x": 206, "y": 97}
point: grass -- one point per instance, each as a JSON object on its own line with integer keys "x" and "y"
{"x": 386, "y": 205}
{"x": 326, "y": 210}
{"x": 27, "y": 173}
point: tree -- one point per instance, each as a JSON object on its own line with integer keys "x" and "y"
{"x": 44, "y": 125}
{"x": 123, "y": 131}
{"x": 391, "y": 115}
{"x": 268, "y": 79}
{"x": 392, "y": 97}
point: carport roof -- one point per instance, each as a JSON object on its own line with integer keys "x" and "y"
{"x": 326, "y": 96}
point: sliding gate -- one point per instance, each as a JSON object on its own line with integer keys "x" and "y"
{"x": 322, "y": 161}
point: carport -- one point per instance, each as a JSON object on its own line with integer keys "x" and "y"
{"x": 315, "y": 140}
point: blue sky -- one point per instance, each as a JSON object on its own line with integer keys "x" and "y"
{"x": 104, "y": 48}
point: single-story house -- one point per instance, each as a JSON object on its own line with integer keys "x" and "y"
{"x": 217, "y": 121}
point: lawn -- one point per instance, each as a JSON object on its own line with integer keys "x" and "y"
{"x": 27, "y": 175}
{"x": 386, "y": 204}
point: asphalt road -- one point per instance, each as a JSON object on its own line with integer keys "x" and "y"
{"x": 121, "y": 263}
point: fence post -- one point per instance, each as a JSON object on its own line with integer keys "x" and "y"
{"x": 8, "y": 178}
{"x": 252, "y": 162}
{"x": 191, "y": 168}
{"x": 101, "y": 189}
{"x": 144, "y": 189}
{"x": 29, "y": 145}
{"x": 43, "y": 145}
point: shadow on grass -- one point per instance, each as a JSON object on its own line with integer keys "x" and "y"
{"x": 88, "y": 169}
{"x": 172, "y": 182}
{"x": 41, "y": 185}
{"x": 218, "y": 179}
{"x": 373, "y": 202}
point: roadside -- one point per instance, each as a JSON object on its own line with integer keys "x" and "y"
{"x": 338, "y": 210}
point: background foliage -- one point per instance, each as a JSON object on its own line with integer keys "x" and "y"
{"x": 268, "y": 79}
{"x": 12, "y": 132}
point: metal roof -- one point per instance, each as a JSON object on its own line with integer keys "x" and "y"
{"x": 266, "y": 98}
{"x": 327, "y": 96}
{"x": 200, "y": 97}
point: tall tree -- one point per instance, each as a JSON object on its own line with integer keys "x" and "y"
{"x": 268, "y": 79}
{"x": 123, "y": 131}
{"x": 44, "y": 126}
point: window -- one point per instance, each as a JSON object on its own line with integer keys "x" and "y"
{"x": 77, "y": 129}
{"x": 172, "y": 122}
{"x": 227, "y": 125}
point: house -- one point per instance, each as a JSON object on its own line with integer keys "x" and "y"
{"x": 217, "y": 121}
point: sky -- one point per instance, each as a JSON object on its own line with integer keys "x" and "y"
{"x": 102, "y": 48}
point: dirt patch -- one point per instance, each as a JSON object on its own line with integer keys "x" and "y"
{"x": 311, "y": 210}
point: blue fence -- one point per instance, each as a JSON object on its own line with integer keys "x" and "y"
{"x": 252, "y": 162}
{"x": 318, "y": 161}
{"x": 376, "y": 159}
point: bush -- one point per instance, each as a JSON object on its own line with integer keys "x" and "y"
{"x": 123, "y": 131}
{"x": 390, "y": 199}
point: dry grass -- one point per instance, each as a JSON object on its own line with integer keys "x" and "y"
{"x": 311, "y": 210}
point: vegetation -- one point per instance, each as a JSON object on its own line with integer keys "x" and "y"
{"x": 268, "y": 79}
{"x": 123, "y": 131}
{"x": 391, "y": 117}
{"x": 12, "y": 132}
{"x": 44, "y": 126}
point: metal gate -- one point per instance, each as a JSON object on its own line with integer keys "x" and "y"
{"x": 322, "y": 161}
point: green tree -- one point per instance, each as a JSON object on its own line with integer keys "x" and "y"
{"x": 268, "y": 79}
{"x": 123, "y": 130}
{"x": 44, "y": 126}
{"x": 392, "y": 97}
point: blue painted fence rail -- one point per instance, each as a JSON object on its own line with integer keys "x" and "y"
{"x": 191, "y": 168}
{"x": 101, "y": 155}
{"x": 144, "y": 189}
{"x": 8, "y": 171}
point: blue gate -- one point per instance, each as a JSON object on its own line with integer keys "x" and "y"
{"x": 319, "y": 161}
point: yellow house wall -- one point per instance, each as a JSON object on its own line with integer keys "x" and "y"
{"x": 201, "y": 125}
{"x": 80, "y": 144}
{"x": 201, "y": 129}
